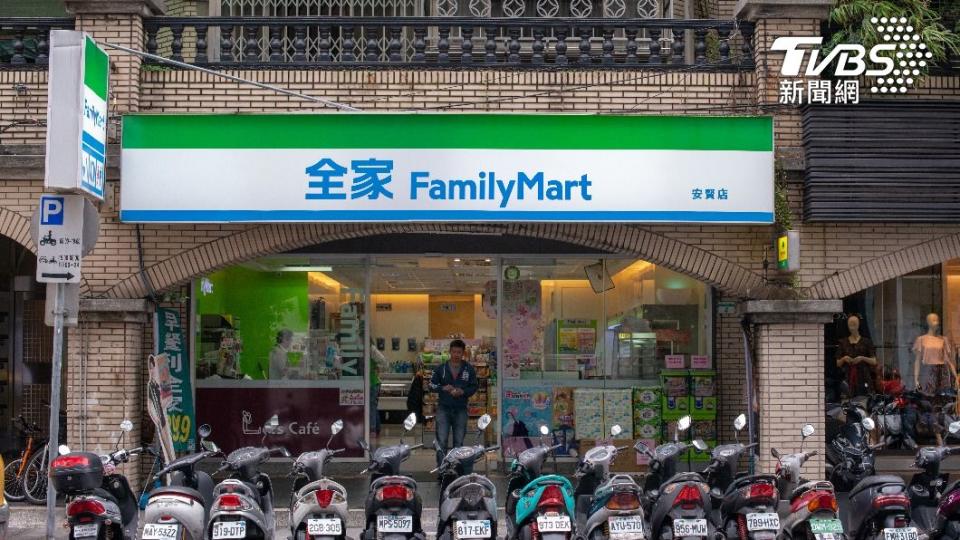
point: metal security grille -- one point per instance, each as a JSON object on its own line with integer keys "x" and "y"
{"x": 893, "y": 161}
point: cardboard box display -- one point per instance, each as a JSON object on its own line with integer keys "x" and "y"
{"x": 588, "y": 413}
{"x": 648, "y": 431}
{"x": 648, "y": 396}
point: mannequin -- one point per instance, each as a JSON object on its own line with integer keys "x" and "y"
{"x": 933, "y": 358}
{"x": 858, "y": 358}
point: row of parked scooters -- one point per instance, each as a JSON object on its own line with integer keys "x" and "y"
{"x": 715, "y": 503}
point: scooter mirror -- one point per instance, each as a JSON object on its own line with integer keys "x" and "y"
{"x": 410, "y": 421}
{"x": 363, "y": 444}
{"x": 483, "y": 422}
{"x": 210, "y": 446}
{"x": 869, "y": 424}
{"x": 63, "y": 449}
{"x": 700, "y": 445}
{"x": 126, "y": 426}
{"x": 204, "y": 431}
{"x": 740, "y": 422}
{"x": 684, "y": 423}
{"x": 336, "y": 427}
{"x": 615, "y": 430}
{"x": 954, "y": 427}
{"x": 544, "y": 430}
{"x": 807, "y": 430}
{"x": 641, "y": 447}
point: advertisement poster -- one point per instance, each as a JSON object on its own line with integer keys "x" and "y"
{"x": 576, "y": 336}
{"x": 526, "y": 409}
{"x": 237, "y": 415}
{"x": 159, "y": 399}
{"x": 177, "y": 390}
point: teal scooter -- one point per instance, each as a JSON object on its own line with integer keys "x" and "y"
{"x": 538, "y": 505}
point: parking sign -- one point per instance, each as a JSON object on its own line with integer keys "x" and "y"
{"x": 60, "y": 238}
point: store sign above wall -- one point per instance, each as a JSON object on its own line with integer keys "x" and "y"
{"x": 450, "y": 167}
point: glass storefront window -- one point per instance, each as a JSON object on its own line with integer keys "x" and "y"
{"x": 893, "y": 350}
{"x": 575, "y": 343}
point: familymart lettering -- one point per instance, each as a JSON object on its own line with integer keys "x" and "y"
{"x": 372, "y": 179}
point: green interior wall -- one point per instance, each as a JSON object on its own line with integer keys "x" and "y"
{"x": 260, "y": 304}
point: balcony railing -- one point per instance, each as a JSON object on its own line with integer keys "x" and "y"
{"x": 460, "y": 42}
{"x": 26, "y": 40}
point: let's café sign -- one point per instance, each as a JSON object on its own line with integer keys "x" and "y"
{"x": 77, "y": 114}
{"x": 446, "y": 167}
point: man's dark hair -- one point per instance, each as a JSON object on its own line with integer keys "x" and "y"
{"x": 459, "y": 344}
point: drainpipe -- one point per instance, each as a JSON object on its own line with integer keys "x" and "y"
{"x": 748, "y": 370}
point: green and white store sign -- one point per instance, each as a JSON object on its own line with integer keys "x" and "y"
{"x": 79, "y": 80}
{"x": 446, "y": 167}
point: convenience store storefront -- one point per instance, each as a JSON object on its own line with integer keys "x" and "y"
{"x": 576, "y": 339}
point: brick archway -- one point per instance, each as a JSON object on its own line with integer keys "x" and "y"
{"x": 732, "y": 279}
{"x": 16, "y": 227}
{"x": 887, "y": 267}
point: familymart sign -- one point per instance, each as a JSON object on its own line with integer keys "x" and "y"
{"x": 446, "y": 167}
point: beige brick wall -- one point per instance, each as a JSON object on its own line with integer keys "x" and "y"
{"x": 105, "y": 384}
{"x": 790, "y": 381}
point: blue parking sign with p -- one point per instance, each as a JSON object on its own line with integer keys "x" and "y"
{"x": 51, "y": 210}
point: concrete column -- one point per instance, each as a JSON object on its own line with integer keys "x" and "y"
{"x": 106, "y": 376}
{"x": 773, "y": 19}
{"x": 788, "y": 345}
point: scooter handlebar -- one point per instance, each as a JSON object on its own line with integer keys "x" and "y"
{"x": 878, "y": 446}
{"x": 414, "y": 447}
{"x": 492, "y": 448}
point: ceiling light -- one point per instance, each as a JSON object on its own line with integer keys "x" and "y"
{"x": 456, "y": 259}
{"x": 306, "y": 268}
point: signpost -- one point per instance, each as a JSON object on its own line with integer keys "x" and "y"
{"x": 65, "y": 228}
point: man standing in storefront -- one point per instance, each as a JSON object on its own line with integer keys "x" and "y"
{"x": 455, "y": 380}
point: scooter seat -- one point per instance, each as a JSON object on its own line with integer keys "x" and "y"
{"x": 819, "y": 485}
{"x": 178, "y": 490}
{"x": 875, "y": 481}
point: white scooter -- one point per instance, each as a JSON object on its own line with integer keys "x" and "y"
{"x": 318, "y": 507}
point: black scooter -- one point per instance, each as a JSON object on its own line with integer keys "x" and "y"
{"x": 679, "y": 504}
{"x": 929, "y": 487}
{"x": 393, "y": 506}
{"x": 849, "y": 455}
{"x": 468, "y": 501}
{"x": 748, "y": 505}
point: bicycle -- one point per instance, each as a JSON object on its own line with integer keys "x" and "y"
{"x": 25, "y": 471}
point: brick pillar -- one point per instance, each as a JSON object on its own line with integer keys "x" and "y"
{"x": 105, "y": 376}
{"x": 788, "y": 365}
{"x": 119, "y": 22}
{"x": 773, "y": 19}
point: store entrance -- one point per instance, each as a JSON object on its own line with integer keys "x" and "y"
{"x": 419, "y": 305}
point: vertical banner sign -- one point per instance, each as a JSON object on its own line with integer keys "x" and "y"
{"x": 77, "y": 114}
{"x": 159, "y": 399}
{"x": 180, "y": 414}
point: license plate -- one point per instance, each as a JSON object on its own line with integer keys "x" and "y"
{"x": 689, "y": 527}
{"x": 903, "y": 533}
{"x": 474, "y": 528}
{"x": 553, "y": 523}
{"x": 621, "y": 526}
{"x": 89, "y": 530}
{"x": 394, "y": 524}
{"x": 156, "y": 531}
{"x": 324, "y": 527}
{"x": 826, "y": 526}
{"x": 767, "y": 521}
{"x": 229, "y": 529}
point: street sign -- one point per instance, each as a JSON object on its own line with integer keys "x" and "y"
{"x": 78, "y": 86}
{"x": 60, "y": 238}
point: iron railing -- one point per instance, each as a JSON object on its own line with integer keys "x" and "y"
{"x": 269, "y": 42}
{"x": 26, "y": 40}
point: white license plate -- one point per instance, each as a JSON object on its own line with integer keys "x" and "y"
{"x": 394, "y": 524}
{"x": 631, "y": 526}
{"x": 768, "y": 521}
{"x": 474, "y": 528}
{"x": 89, "y": 530}
{"x": 903, "y": 533}
{"x": 157, "y": 531}
{"x": 689, "y": 527}
{"x": 229, "y": 529}
{"x": 553, "y": 523}
{"x": 324, "y": 527}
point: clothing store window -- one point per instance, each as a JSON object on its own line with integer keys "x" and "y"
{"x": 894, "y": 349}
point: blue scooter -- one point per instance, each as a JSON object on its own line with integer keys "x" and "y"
{"x": 538, "y": 505}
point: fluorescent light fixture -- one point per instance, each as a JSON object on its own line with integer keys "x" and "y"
{"x": 306, "y": 268}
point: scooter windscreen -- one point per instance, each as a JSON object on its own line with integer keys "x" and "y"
{"x": 464, "y": 454}
{"x": 599, "y": 454}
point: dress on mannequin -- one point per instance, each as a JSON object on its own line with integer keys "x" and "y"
{"x": 934, "y": 359}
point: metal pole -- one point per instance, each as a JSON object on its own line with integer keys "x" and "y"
{"x": 53, "y": 445}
